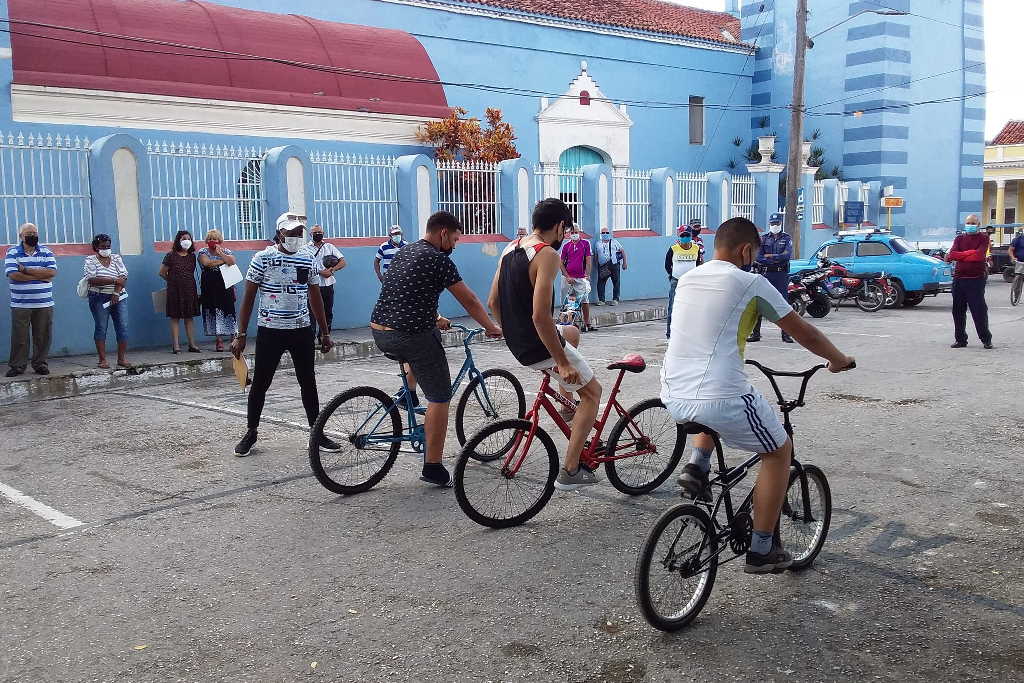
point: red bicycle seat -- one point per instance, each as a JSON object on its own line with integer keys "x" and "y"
{"x": 631, "y": 362}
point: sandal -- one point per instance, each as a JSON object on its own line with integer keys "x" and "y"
{"x": 125, "y": 364}
{"x": 103, "y": 364}
{"x": 175, "y": 350}
{"x": 194, "y": 349}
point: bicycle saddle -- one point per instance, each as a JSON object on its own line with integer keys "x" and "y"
{"x": 631, "y": 362}
{"x": 391, "y": 356}
{"x": 865, "y": 276}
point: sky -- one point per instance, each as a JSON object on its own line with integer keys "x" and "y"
{"x": 1003, "y": 21}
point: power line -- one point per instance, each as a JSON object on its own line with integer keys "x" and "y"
{"x": 961, "y": 27}
{"x": 870, "y": 110}
{"x": 868, "y": 93}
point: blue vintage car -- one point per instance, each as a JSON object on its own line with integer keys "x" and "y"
{"x": 914, "y": 274}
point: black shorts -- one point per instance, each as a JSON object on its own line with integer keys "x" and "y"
{"x": 425, "y": 354}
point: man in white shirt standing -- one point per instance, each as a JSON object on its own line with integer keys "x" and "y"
{"x": 327, "y": 260}
{"x": 611, "y": 258}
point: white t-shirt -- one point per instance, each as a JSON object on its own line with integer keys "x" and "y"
{"x": 283, "y": 302}
{"x": 714, "y": 312}
{"x": 317, "y": 253}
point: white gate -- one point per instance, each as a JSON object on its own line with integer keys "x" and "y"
{"x": 631, "y": 199}
{"x": 691, "y": 198}
{"x": 563, "y": 183}
{"x": 355, "y": 196}
{"x": 743, "y": 192}
{"x": 470, "y": 191}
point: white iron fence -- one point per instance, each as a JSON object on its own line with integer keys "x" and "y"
{"x": 691, "y": 198}
{"x": 45, "y": 180}
{"x": 631, "y": 199}
{"x": 202, "y": 187}
{"x": 355, "y": 196}
{"x": 818, "y": 205}
{"x": 743, "y": 192}
{"x": 564, "y": 183}
{"x": 470, "y": 191}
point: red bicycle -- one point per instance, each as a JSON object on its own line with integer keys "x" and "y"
{"x": 506, "y": 472}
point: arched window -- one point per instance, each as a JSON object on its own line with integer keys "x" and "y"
{"x": 250, "y": 200}
{"x": 584, "y": 98}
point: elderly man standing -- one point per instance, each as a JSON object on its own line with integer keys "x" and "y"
{"x": 30, "y": 268}
{"x": 969, "y": 275}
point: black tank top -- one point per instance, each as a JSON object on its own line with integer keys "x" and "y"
{"x": 515, "y": 296}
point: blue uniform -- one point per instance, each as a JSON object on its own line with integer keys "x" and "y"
{"x": 773, "y": 256}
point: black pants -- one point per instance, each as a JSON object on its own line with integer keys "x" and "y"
{"x": 603, "y": 279}
{"x": 270, "y": 346}
{"x": 970, "y": 293}
{"x": 780, "y": 281}
{"x": 327, "y": 295}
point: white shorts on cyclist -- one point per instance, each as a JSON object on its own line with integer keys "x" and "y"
{"x": 575, "y": 360}
{"x": 746, "y": 423}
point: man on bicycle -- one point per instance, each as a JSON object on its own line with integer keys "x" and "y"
{"x": 702, "y": 379}
{"x": 520, "y": 299}
{"x": 405, "y": 324}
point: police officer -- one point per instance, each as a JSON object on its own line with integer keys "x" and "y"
{"x": 773, "y": 262}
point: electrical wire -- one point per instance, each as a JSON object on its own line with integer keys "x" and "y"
{"x": 868, "y": 93}
{"x": 924, "y": 16}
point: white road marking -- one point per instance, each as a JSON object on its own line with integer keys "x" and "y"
{"x": 55, "y": 517}
{"x": 218, "y": 409}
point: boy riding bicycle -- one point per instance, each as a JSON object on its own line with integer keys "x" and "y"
{"x": 703, "y": 381}
{"x": 520, "y": 301}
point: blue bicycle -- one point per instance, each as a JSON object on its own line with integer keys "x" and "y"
{"x": 367, "y": 423}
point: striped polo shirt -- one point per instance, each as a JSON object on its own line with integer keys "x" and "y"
{"x": 34, "y": 293}
{"x": 284, "y": 281}
{"x": 386, "y": 252}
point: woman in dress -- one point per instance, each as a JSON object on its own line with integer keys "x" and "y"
{"x": 106, "y": 275}
{"x": 179, "y": 270}
{"x": 218, "y": 301}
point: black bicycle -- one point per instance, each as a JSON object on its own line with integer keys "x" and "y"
{"x": 679, "y": 560}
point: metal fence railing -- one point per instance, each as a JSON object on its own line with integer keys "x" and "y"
{"x": 45, "y": 180}
{"x": 631, "y": 199}
{"x": 743, "y": 194}
{"x": 564, "y": 183}
{"x": 201, "y": 187}
{"x": 818, "y": 203}
{"x": 691, "y": 198}
{"x": 355, "y": 195}
{"x": 470, "y": 191}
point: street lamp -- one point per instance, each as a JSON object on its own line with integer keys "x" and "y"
{"x": 794, "y": 167}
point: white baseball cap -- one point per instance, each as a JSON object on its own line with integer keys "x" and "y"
{"x": 290, "y": 221}
{"x": 395, "y": 230}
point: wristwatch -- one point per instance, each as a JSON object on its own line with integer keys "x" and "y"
{"x": 239, "y": 335}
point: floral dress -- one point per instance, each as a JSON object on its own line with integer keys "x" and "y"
{"x": 182, "y": 295}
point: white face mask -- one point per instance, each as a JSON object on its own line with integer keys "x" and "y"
{"x": 105, "y": 253}
{"x": 775, "y": 229}
{"x": 575, "y": 238}
{"x": 292, "y": 244}
{"x": 397, "y": 239}
{"x": 186, "y": 244}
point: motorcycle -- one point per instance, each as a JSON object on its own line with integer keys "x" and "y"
{"x": 869, "y": 291}
{"x": 806, "y": 295}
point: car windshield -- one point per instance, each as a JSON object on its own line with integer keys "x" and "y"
{"x": 900, "y": 245}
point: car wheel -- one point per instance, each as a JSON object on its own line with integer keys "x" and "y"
{"x": 912, "y": 299}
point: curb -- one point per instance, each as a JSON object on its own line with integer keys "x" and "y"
{"x": 89, "y": 381}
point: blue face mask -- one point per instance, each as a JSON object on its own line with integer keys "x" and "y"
{"x": 685, "y": 241}
{"x": 970, "y": 229}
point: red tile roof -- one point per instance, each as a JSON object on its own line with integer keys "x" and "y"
{"x": 645, "y": 15}
{"x": 1011, "y": 134}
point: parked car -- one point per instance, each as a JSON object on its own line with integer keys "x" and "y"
{"x": 914, "y": 274}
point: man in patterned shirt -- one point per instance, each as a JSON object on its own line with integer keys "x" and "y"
{"x": 30, "y": 268}
{"x": 405, "y": 324}
{"x": 289, "y": 288}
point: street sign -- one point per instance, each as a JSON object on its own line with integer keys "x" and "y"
{"x": 889, "y": 190}
{"x": 853, "y": 212}
{"x": 892, "y": 202}
{"x": 800, "y": 203}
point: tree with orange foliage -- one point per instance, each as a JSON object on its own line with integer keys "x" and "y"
{"x": 459, "y": 138}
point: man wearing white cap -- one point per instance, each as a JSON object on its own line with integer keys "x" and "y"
{"x": 387, "y": 251}
{"x": 289, "y": 289}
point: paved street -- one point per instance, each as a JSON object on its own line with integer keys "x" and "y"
{"x": 182, "y": 562}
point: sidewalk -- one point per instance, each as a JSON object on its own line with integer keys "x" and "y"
{"x": 72, "y": 375}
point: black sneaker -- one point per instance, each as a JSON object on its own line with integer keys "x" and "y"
{"x": 42, "y": 370}
{"x": 436, "y": 474}
{"x": 695, "y": 484}
{"x": 958, "y": 345}
{"x": 754, "y": 338}
{"x": 329, "y": 444}
{"x": 245, "y": 445}
{"x": 988, "y": 345}
{"x": 14, "y": 372}
{"x": 400, "y": 400}
{"x": 786, "y": 338}
{"x": 775, "y": 560}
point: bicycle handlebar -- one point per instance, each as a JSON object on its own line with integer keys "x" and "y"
{"x": 469, "y": 333}
{"x": 805, "y": 376}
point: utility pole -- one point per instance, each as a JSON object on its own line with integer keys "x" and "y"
{"x": 794, "y": 168}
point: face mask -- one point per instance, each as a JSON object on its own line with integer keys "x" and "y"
{"x": 576, "y": 238}
{"x": 970, "y": 228}
{"x": 397, "y": 239}
{"x": 31, "y": 240}
{"x": 318, "y": 237}
{"x": 747, "y": 266}
{"x": 775, "y": 229}
{"x": 449, "y": 250}
{"x": 685, "y": 241}
{"x": 186, "y": 244}
{"x": 605, "y": 236}
{"x": 105, "y": 253}
{"x": 292, "y": 244}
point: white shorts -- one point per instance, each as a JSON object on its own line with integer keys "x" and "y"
{"x": 746, "y": 423}
{"x": 578, "y": 286}
{"x": 575, "y": 360}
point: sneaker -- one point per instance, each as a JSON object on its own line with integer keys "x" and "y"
{"x": 754, "y": 338}
{"x": 695, "y": 484}
{"x": 988, "y": 345}
{"x": 599, "y": 303}
{"x": 775, "y": 560}
{"x": 329, "y": 444}
{"x": 436, "y": 474}
{"x": 591, "y": 328}
{"x": 14, "y": 372}
{"x": 571, "y": 482}
{"x": 786, "y": 338}
{"x": 614, "y": 302}
{"x": 958, "y": 345}
{"x": 244, "y": 446}
{"x": 42, "y": 370}
{"x": 400, "y": 401}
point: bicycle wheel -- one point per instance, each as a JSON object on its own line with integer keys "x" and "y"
{"x": 1015, "y": 289}
{"x": 505, "y": 492}
{"x": 676, "y": 568}
{"x": 646, "y": 426}
{"x": 505, "y": 399}
{"x": 365, "y": 423}
{"x": 804, "y": 528}
{"x": 870, "y": 299}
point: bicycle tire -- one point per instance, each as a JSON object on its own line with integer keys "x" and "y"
{"x": 650, "y": 559}
{"x": 632, "y": 485}
{"x": 366, "y": 478}
{"x": 793, "y": 526}
{"x": 470, "y": 473}
{"x": 1015, "y": 289}
{"x": 870, "y": 299}
{"x": 471, "y": 400}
